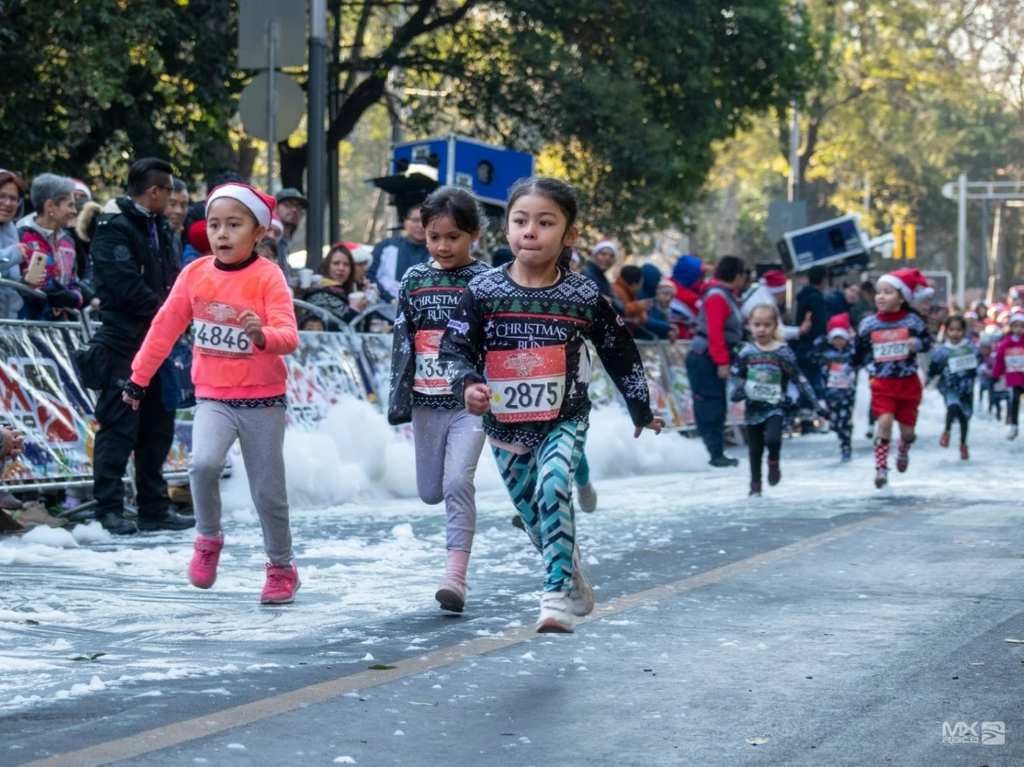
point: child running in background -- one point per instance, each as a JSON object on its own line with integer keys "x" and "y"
{"x": 448, "y": 439}
{"x": 1009, "y": 363}
{"x": 761, "y": 374}
{"x": 888, "y": 343}
{"x": 955, "y": 364}
{"x": 834, "y": 353}
{"x": 515, "y": 353}
{"x": 243, "y": 320}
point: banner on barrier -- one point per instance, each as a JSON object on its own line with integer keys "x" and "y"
{"x": 43, "y": 398}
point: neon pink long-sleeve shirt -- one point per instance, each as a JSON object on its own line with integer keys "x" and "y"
{"x": 225, "y": 363}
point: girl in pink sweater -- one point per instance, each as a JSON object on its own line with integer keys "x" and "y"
{"x": 243, "y": 324}
{"x": 1009, "y": 362}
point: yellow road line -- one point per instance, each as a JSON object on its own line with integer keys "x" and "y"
{"x": 189, "y": 730}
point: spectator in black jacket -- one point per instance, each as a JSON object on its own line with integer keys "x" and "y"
{"x": 811, "y": 298}
{"x": 134, "y": 268}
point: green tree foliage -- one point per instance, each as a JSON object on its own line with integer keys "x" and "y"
{"x": 86, "y": 85}
{"x": 626, "y": 98}
{"x": 904, "y": 96}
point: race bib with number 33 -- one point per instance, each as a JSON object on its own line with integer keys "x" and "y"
{"x": 431, "y": 374}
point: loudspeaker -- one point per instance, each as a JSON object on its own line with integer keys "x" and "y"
{"x": 831, "y": 243}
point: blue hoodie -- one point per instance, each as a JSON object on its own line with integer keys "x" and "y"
{"x": 688, "y": 270}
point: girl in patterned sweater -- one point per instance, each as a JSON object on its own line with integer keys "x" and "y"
{"x": 955, "y": 364}
{"x": 515, "y": 354}
{"x": 448, "y": 439}
{"x": 888, "y": 343}
{"x": 761, "y": 376}
{"x": 243, "y": 321}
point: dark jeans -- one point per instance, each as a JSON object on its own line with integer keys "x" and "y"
{"x": 148, "y": 431}
{"x": 709, "y": 406}
{"x": 767, "y": 434}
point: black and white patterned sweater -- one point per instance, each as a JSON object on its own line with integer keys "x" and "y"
{"x": 426, "y": 300}
{"x": 527, "y": 344}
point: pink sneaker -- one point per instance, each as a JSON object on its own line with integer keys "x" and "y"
{"x": 281, "y": 585}
{"x": 202, "y": 570}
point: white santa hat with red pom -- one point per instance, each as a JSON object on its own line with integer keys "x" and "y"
{"x": 911, "y": 284}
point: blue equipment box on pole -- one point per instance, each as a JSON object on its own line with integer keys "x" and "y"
{"x": 486, "y": 170}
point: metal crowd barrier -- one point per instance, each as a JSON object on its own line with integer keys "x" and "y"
{"x": 43, "y": 397}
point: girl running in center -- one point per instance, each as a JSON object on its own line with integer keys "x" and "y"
{"x": 955, "y": 364}
{"x": 834, "y": 354}
{"x": 888, "y": 343}
{"x": 515, "y": 353}
{"x": 448, "y": 439}
{"x": 243, "y": 321}
{"x": 761, "y": 374}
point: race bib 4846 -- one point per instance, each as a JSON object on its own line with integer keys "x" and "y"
{"x": 526, "y": 384}
{"x": 216, "y": 331}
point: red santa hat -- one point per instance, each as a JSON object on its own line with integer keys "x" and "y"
{"x": 911, "y": 284}
{"x": 839, "y": 325}
{"x": 198, "y": 238}
{"x": 1017, "y": 316}
{"x": 774, "y": 281}
{"x": 259, "y": 204}
{"x": 665, "y": 282}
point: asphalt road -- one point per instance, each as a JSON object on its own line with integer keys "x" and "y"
{"x": 826, "y": 624}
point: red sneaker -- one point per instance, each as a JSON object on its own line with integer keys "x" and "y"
{"x": 944, "y": 439}
{"x": 965, "y": 454}
{"x": 202, "y": 570}
{"x": 281, "y": 584}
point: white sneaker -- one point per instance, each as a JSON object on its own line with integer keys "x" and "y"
{"x": 581, "y": 594}
{"x": 587, "y": 496}
{"x": 556, "y": 614}
{"x": 1013, "y": 433}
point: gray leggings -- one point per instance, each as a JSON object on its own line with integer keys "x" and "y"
{"x": 448, "y": 445}
{"x": 260, "y": 431}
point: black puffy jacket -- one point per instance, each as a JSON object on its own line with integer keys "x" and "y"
{"x": 130, "y": 280}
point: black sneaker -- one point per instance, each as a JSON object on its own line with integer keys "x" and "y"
{"x": 517, "y": 521}
{"x": 169, "y": 520}
{"x": 115, "y": 524}
{"x": 723, "y": 461}
{"x": 755, "y": 488}
{"x": 774, "y": 473}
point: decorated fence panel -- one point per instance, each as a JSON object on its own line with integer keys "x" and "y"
{"x": 43, "y": 398}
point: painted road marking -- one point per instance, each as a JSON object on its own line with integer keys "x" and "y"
{"x": 179, "y": 733}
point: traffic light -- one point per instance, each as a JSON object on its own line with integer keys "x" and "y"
{"x": 897, "y": 247}
{"x": 910, "y": 241}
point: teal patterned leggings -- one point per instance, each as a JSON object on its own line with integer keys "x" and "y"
{"x": 540, "y": 484}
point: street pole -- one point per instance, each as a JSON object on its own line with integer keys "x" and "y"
{"x": 961, "y": 241}
{"x": 794, "y": 154}
{"x": 333, "y": 103}
{"x": 272, "y": 43}
{"x": 316, "y": 158}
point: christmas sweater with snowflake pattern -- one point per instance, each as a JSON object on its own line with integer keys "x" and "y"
{"x": 426, "y": 300}
{"x": 527, "y": 345}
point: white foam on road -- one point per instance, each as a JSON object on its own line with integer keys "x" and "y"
{"x": 86, "y": 613}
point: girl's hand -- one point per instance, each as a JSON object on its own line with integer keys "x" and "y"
{"x": 656, "y": 425}
{"x": 478, "y": 398}
{"x": 13, "y": 442}
{"x": 130, "y": 401}
{"x": 252, "y": 326}
{"x": 723, "y": 372}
